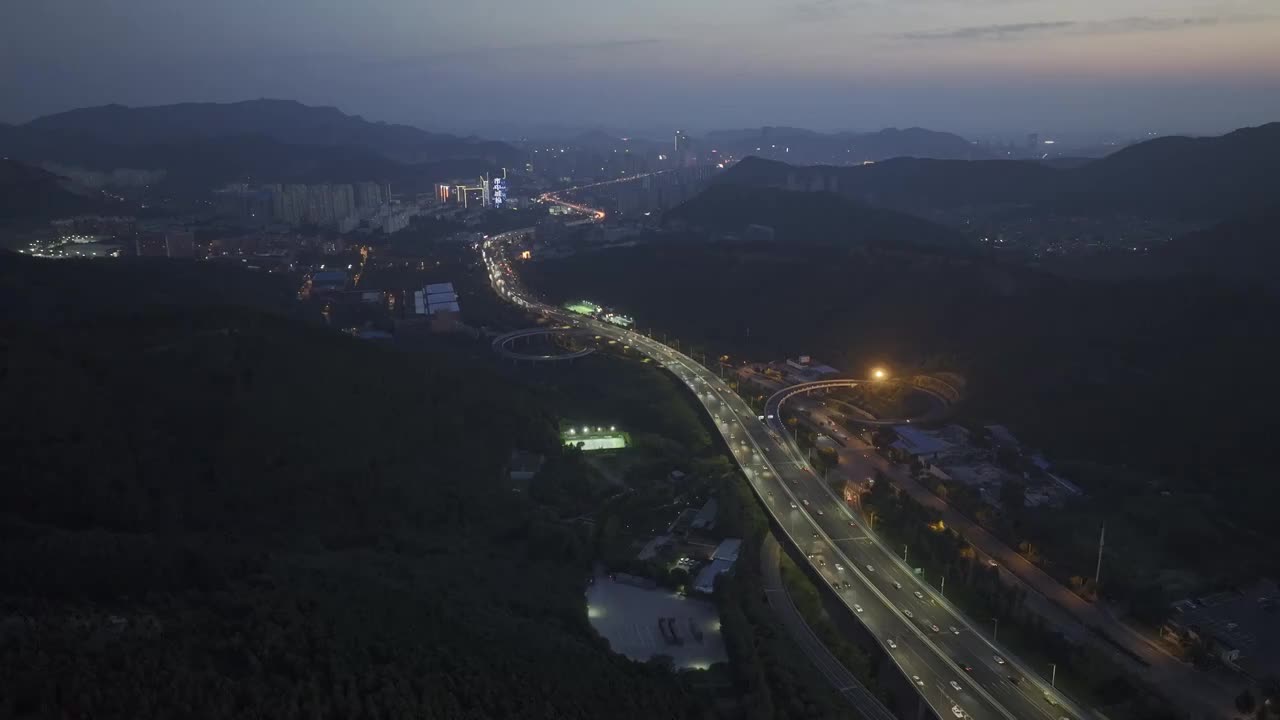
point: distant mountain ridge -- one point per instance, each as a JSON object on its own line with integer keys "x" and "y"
{"x": 196, "y": 166}
{"x": 1210, "y": 178}
{"x": 196, "y": 147}
{"x": 285, "y": 121}
{"x": 800, "y": 146}
{"x": 29, "y": 193}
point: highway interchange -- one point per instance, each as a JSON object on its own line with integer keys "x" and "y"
{"x": 959, "y": 672}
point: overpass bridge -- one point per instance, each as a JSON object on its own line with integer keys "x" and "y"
{"x": 505, "y": 345}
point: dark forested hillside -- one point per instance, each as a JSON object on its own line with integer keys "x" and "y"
{"x": 1169, "y": 375}
{"x": 810, "y": 218}
{"x": 29, "y": 193}
{"x": 209, "y": 509}
{"x": 1240, "y": 251}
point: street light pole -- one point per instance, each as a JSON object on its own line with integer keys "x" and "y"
{"x": 1097, "y": 574}
{"x": 1053, "y": 679}
{"x": 943, "y": 591}
{"x": 904, "y": 553}
{"x": 995, "y": 635}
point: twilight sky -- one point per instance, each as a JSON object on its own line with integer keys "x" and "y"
{"x": 491, "y": 65}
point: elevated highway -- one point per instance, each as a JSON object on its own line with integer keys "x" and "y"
{"x": 940, "y": 402}
{"x": 504, "y": 345}
{"x": 957, "y": 670}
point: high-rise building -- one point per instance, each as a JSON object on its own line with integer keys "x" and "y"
{"x": 245, "y": 204}
{"x": 180, "y": 244}
{"x": 369, "y": 195}
{"x": 329, "y": 204}
{"x": 348, "y": 223}
{"x": 344, "y": 201}
{"x": 289, "y": 203}
{"x": 681, "y": 144}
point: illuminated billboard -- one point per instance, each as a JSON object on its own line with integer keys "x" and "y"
{"x": 498, "y": 190}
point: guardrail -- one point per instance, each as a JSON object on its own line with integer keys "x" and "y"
{"x": 754, "y": 479}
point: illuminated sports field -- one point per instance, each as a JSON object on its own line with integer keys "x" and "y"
{"x": 582, "y": 307}
{"x": 591, "y": 441}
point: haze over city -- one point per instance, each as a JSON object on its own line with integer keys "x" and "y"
{"x": 623, "y": 360}
{"x": 485, "y": 66}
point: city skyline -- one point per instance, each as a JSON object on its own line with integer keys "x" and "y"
{"x": 1171, "y": 66}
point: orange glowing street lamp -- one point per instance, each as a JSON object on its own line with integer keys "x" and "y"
{"x": 879, "y": 374}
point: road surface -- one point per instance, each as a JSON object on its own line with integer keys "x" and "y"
{"x": 831, "y": 668}
{"x": 963, "y": 674}
{"x": 1067, "y": 611}
{"x": 504, "y": 345}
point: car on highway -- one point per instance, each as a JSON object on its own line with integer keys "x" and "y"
{"x": 806, "y": 503}
{"x": 839, "y": 567}
{"x": 1014, "y": 679}
{"x": 893, "y": 644}
{"x": 793, "y": 505}
{"x": 956, "y": 686}
{"x": 819, "y": 511}
{"x": 957, "y": 711}
{"x": 932, "y": 626}
{"x": 857, "y": 607}
{"x": 964, "y": 666}
{"x": 897, "y": 585}
{"x": 870, "y": 568}
{"x": 954, "y": 630}
{"x": 916, "y": 679}
{"x": 919, "y": 595}
{"x": 908, "y": 613}
{"x": 1049, "y": 698}
{"x": 999, "y": 660}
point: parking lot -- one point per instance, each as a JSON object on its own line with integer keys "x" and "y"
{"x": 627, "y": 616}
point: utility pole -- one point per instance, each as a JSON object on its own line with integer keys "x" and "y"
{"x": 1097, "y": 574}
